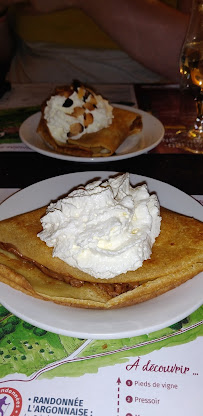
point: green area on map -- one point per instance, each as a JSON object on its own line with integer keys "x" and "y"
{"x": 10, "y": 121}
{"x": 26, "y": 349}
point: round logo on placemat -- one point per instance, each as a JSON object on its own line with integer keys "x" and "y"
{"x": 10, "y": 401}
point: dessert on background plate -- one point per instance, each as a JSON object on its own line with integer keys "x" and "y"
{"x": 106, "y": 245}
{"x": 79, "y": 122}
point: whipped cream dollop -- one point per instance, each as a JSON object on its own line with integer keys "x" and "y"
{"x": 82, "y": 112}
{"x": 105, "y": 228}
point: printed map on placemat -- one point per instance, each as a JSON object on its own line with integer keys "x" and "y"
{"x": 33, "y": 352}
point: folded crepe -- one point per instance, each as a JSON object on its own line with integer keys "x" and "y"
{"x": 101, "y": 143}
{"x": 27, "y": 265}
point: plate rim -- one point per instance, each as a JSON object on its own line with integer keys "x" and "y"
{"x": 97, "y": 334}
{"x": 51, "y": 153}
{"x": 98, "y": 173}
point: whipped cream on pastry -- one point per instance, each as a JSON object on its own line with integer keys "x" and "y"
{"x": 105, "y": 228}
{"x": 81, "y": 111}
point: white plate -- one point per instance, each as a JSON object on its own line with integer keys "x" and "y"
{"x": 150, "y": 136}
{"x": 126, "y": 322}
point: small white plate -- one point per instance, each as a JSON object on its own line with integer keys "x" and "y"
{"x": 131, "y": 321}
{"x": 150, "y": 136}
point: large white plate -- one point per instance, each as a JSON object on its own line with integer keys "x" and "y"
{"x": 150, "y": 136}
{"x": 126, "y": 322}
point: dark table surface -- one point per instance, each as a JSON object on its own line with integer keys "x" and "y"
{"x": 183, "y": 171}
{"x": 180, "y": 169}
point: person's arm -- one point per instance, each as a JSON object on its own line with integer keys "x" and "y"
{"x": 148, "y": 30}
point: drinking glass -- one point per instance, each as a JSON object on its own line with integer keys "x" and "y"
{"x": 191, "y": 82}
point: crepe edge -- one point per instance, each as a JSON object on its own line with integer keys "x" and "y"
{"x": 144, "y": 292}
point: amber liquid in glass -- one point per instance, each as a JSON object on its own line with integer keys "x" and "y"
{"x": 191, "y": 69}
